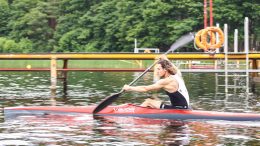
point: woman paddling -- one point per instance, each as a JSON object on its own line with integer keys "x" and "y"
{"x": 171, "y": 81}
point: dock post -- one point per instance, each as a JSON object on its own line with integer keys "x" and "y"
{"x": 53, "y": 73}
{"x": 254, "y": 67}
{"x": 64, "y": 76}
{"x": 52, "y": 98}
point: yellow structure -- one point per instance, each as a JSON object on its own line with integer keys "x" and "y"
{"x": 127, "y": 56}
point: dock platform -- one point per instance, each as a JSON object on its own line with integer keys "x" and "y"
{"x": 65, "y": 57}
{"x": 127, "y": 56}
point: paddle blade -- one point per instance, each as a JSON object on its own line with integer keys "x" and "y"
{"x": 107, "y": 101}
{"x": 182, "y": 41}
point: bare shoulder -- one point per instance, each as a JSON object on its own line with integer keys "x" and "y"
{"x": 165, "y": 81}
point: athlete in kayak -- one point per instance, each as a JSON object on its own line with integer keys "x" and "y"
{"x": 171, "y": 81}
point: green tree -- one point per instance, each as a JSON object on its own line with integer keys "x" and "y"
{"x": 233, "y": 13}
{"x": 112, "y": 25}
{"x": 32, "y": 20}
{"x": 4, "y": 17}
{"x": 10, "y": 46}
{"x": 71, "y": 12}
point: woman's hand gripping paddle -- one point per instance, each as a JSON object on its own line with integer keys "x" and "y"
{"x": 110, "y": 99}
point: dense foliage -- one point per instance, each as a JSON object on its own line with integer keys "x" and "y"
{"x": 112, "y": 25}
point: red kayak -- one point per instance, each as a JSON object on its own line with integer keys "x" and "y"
{"x": 133, "y": 111}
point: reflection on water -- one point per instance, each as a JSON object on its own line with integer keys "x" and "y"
{"x": 83, "y": 130}
{"x": 86, "y": 88}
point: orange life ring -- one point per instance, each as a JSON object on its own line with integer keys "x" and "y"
{"x": 211, "y": 45}
{"x": 199, "y": 37}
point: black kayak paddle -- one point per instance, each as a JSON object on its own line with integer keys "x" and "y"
{"x": 179, "y": 43}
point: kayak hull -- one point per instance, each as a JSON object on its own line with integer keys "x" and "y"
{"x": 133, "y": 111}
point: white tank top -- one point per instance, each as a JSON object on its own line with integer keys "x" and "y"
{"x": 182, "y": 88}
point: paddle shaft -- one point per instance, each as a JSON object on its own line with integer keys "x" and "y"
{"x": 173, "y": 48}
{"x": 149, "y": 68}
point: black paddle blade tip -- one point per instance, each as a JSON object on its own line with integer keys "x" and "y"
{"x": 107, "y": 101}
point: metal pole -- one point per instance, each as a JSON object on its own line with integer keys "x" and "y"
{"x": 236, "y": 41}
{"x": 217, "y": 38}
{"x": 211, "y": 12}
{"x": 226, "y": 56}
{"x": 246, "y": 45}
{"x": 135, "y": 50}
{"x": 236, "y": 46}
{"x": 205, "y": 14}
{"x": 236, "y": 51}
{"x": 217, "y": 49}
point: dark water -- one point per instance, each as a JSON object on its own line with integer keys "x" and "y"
{"x": 86, "y": 88}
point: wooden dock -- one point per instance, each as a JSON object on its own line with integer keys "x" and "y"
{"x": 53, "y": 57}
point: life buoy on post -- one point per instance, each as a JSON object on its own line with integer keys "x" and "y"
{"x": 201, "y": 38}
{"x": 211, "y": 45}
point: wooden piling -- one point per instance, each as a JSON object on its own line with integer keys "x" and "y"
{"x": 254, "y": 66}
{"x": 53, "y": 73}
{"x": 64, "y": 76}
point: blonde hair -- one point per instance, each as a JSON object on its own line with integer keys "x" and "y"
{"x": 167, "y": 65}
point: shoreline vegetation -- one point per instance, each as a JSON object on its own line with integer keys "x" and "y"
{"x": 43, "y": 26}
